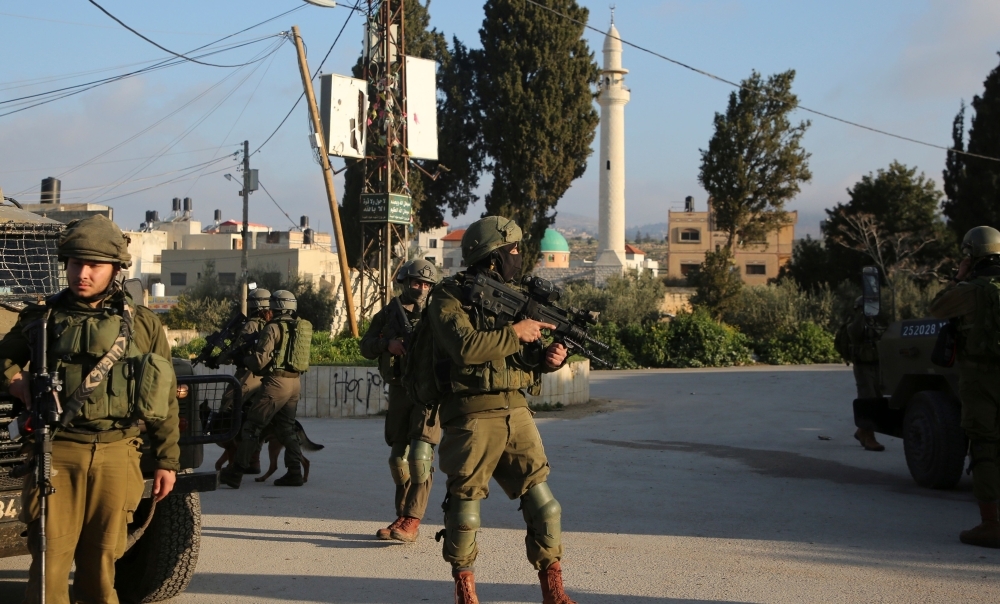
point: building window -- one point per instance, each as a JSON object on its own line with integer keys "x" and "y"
{"x": 431, "y": 259}
{"x": 756, "y": 269}
{"x": 274, "y": 237}
{"x": 691, "y": 235}
{"x": 449, "y": 262}
{"x": 178, "y": 278}
{"x": 433, "y": 244}
{"x": 551, "y": 258}
{"x": 175, "y": 245}
{"x": 157, "y": 258}
{"x": 227, "y": 278}
{"x": 687, "y": 269}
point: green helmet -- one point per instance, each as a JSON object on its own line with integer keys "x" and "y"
{"x": 96, "y": 239}
{"x": 486, "y": 235}
{"x": 418, "y": 269}
{"x": 258, "y": 299}
{"x": 981, "y": 241}
{"x": 283, "y": 300}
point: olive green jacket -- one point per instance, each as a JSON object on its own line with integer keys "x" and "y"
{"x": 147, "y": 335}
{"x": 262, "y": 360}
{"x": 375, "y": 342}
{"x": 961, "y": 301}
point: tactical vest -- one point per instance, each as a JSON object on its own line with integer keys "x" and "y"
{"x": 979, "y": 335}
{"x": 502, "y": 375}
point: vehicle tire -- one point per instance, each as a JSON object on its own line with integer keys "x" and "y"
{"x": 933, "y": 440}
{"x": 160, "y": 565}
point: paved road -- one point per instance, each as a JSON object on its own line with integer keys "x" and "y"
{"x": 693, "y": 486}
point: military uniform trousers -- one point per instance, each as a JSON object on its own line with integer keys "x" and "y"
{"x": 279, "y": 397}
{"x": 866, "y": 378}
{"x": 98, "y": 487}
{"x": 979, "y": 389}
{"x": 406, "y": 422}
{"x": 509, "y": 449}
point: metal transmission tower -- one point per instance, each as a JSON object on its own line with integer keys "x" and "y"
{"x": 386, "y": 205}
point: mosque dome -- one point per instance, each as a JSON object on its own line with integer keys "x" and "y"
{"x": 554, "y": 242}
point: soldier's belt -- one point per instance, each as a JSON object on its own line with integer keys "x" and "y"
{"x": 104, "y": 436}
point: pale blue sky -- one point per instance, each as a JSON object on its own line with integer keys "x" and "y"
{"x": 899, "y": 65}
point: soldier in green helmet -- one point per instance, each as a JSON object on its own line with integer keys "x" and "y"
{"x": 408, "y": 430}
{"x": 863, "y": 334}
{"x": 279, "y": 397}
{"x": 973, "y": 299}
{"x": 95, "y": 458}
{"x": 485, "y": 369}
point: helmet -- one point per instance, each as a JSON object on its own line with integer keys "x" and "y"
{"x": 283, "y": 300}
{"x": 96, "y": 239}
{"x": 486, "y": 235}
{"x": 258, "y": 299}
{"x": 981, "y": 241}
{"x": 418, "y": 269}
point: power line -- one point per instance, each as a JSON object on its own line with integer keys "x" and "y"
{"x": 731, "y": 83}
{"x": 153, "y": 31}
{"x": 276, "y": 204}
{"x": 111, "y": 161}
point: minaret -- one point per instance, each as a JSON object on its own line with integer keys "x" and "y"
{"x": 612, "y": 96}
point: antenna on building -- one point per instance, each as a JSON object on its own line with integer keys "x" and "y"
{"x": 613, "y": 7}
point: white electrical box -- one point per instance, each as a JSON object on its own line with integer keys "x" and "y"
{"x": 343, "y": 106}
{"x": 421, "y": 108}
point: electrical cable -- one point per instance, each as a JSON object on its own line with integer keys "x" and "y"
{"x": 112, "y": 161}
{"x": 276, "y": 204}
{"x": 152, "y": 31}
{"x": 737, "y": 85}
{"x": 354, "y": 9}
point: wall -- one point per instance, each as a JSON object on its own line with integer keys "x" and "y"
{"x": 359, "y": 391}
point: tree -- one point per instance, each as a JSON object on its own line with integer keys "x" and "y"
{"x": 972, "y": 184}
{"x": 537, "y": 71}
{"x": 754, "y": 162}
{"x": 810, "y": 265}
{"x": 717, "y": 282}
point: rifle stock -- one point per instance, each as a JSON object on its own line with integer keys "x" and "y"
{"x": 538, "y": 302}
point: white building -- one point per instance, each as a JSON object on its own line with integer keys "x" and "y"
{"x": 635, "y": 259}
{"x": 429, "y": 245}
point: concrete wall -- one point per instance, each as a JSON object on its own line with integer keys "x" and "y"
{"x": 359, "y": 391}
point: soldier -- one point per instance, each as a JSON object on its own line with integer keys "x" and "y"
{"x": 278, "y": 399}
{"x": 259, "y": 313}
{"x": 488, "y": 430}
{"x": 863, "y": 335}
{"x": 95, "y": 461}
{"x": 974, "y": 299}
{"x": 411, "y": 460}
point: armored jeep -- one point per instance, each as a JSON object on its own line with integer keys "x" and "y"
{"x": 162, "y": 561}
{"x": 920, "y": 403}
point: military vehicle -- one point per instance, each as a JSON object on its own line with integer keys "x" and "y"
{"x": 921, "y": 403}
{"x": 162, "y": 561}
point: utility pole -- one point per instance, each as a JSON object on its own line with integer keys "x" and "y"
{"x": 331, "y": 194}
{"x": 244, "y": 257}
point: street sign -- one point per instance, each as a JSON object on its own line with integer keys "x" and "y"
{"x": 386, "y": 207}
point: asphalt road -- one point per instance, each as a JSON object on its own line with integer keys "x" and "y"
{"x": 689, "y": 486}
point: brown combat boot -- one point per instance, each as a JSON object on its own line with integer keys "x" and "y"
{"x": 386, "y": 533}
{"x": 465, "y": 588}
{"x": 867, "y": 440}
{"x": 987, "y": 534}
{"x": 407, "y": 530}
{"x": 552, "y": 585}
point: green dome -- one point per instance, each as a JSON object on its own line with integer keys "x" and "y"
{"x": 554, "y": 242}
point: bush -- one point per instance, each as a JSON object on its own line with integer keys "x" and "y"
{"x": 696, "y": 340}
{"x": 801, "y": 344}
{"x": 188, "y": 351}
{"x": 205, "y": 314}
{"x": 631, "y": 298}
{"x": 342, "y": 350}
{"x": 717, "y": 281}
{"x": 617, "y": 354}
{"x": 761, "y": 311}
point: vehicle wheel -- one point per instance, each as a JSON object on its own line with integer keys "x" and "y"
{"x": 934, "y": 442}
{"x": 160, "y": 565}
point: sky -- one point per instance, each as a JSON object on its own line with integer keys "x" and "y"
{"x": 903, "y": 66}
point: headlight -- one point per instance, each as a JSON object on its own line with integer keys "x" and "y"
{"x": 182, "y": 391}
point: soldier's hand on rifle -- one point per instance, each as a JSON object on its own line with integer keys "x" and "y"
{"x": 964, "y": 268}
{"x": 20, "y": 387}
{"x": 163, "y": 483}
{"x": 555, "y": 355}
{"x": 396, "y": 347}
{"x": 529, "y": 330}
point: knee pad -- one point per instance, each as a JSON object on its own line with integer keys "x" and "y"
{"x": 421, "y": 460}
{"x": 542, "y": 513}
{"x": 397, "y": 465}
{"x": 461, "y": 523}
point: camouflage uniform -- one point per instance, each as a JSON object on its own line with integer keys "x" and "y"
{"x": 864, "y": 356}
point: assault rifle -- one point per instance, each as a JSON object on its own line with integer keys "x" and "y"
{"x": 220, "y": 341}
{"x": 45, "y": 412}
{"x": 537, "y": 302}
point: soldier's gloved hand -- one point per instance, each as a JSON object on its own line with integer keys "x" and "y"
{"x": 529, "y": 330}
{"x": 20, "y": 388}
{"x": 555, "y": 355}
{"x": 396, "y": 348}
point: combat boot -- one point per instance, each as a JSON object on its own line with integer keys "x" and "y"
{"x": 987, "y": 534}
{"x": 386, "y": 533}
{"x": 290, "y": 479}
{"x": 407, "y": 531}
{"x": 254, "y": 468}
{"x": 231, "y": 475}
{"x": 552, "y": 585}
{"x": 867, "y": 440}
{"x": 465, "y": 587}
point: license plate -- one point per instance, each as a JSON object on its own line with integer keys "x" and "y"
{"x": 10, "y": 507}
